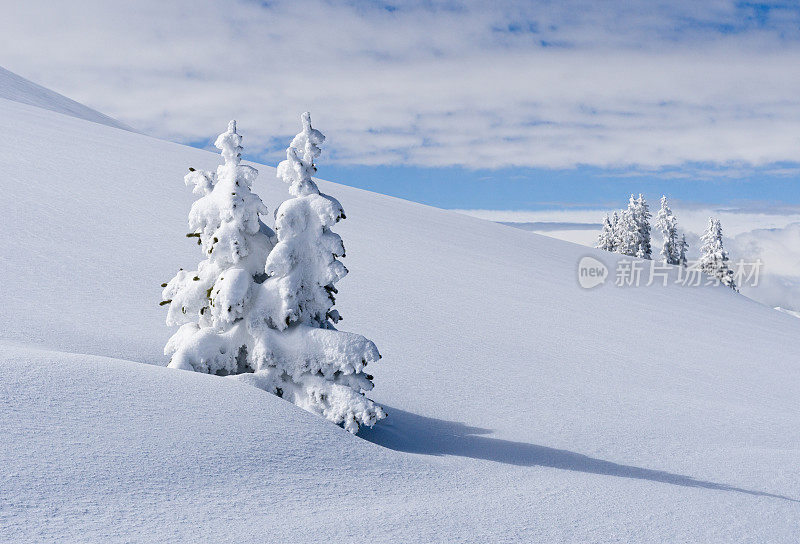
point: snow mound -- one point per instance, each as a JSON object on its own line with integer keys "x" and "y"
{"x": 106, "y": 450}
{"x": 19, "y": 89}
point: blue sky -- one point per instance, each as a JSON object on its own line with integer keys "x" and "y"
{"x": 502, "y": 105}
{"x": 584, "y": 187}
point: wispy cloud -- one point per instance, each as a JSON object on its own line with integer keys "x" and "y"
{"x": 728, "y": 171}
{"x": 548, "y": 84}
{"x": 692, "y": 217}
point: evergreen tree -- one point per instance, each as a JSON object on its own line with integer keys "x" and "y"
{"x": 615, "y": 231}
{"x": 642, "y": 219}
{"x": 713, "y": 257}
{"x": 668, "y": 226}
{"x": 299, "y": 354}
{"x": 627, "y": 231}
{"x": 264, "y": 310}
{"x": 682, "y": 247}
{"x": 606, "y": 240}
{"x": 209, "y": 303}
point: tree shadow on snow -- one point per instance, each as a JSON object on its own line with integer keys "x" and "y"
{"x": 412, "y": 433}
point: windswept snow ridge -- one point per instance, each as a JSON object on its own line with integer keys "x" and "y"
{"x": 19, "y": 89}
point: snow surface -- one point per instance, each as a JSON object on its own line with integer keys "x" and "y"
{"x": 788, "y": 312}
{"x": 521, "y": 407}
{"x": 19, "y": 89}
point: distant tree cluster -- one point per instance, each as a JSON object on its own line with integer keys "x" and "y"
{"x": 628, "y": 232}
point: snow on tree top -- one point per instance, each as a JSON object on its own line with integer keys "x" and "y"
{"x": 298, "y": 168}
{"x": 230, "y": 143}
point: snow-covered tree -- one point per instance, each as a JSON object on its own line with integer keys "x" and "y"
{"x": 668, "y": 226}
{"x": 628, "y": 239}
{"x": 713, "y": 257}
{"x": 606, "y": 240}
{"x": 642, "y": 218}
{"x": 683, "y": 246}
{"x": 210, "y": 303}
{"x": 632, "y": 229}
{"x": 260, "y": 305}
{"x": 615, "y": 231}
{"x": 299, "y": 355}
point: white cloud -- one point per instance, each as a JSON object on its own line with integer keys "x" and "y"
{"x": 779, "y": 250}
{"x": 432, "y": 84}
{"x": 692, "y": 218}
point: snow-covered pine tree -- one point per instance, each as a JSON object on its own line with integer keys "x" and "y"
{"x": 615, "y": 231}
{"x": 642, "y": 219}
{"x": 668, "y": 226}
{"x": 299, "y": 355}
{"x": 627, "y": 231}
{"x": 683, "y": 246}
{"x": 606, "y": 239}
{"x": 210, "y": 303}
{"x": 713, "y": 257}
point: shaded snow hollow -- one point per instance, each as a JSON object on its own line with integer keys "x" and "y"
{"x": 521, "y": 407}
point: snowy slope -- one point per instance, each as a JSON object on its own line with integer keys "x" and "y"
{"x": 521, "y": 407}
{"x": 788, "y": 312}
{"x": 19, "y": 89}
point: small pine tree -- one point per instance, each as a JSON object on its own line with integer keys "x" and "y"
{"x": 642, "y": 220}
{"x": 683, "y": 246}
{"x": 299, "y": 354}
{"x": 668, "y": 226}
{"x": 210, "y": 303}
{"x": 615, "y": 231}
{"x": 627, "y": 231}
{"x": 713, "y": 257}
{"x": 606, "y": 240}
